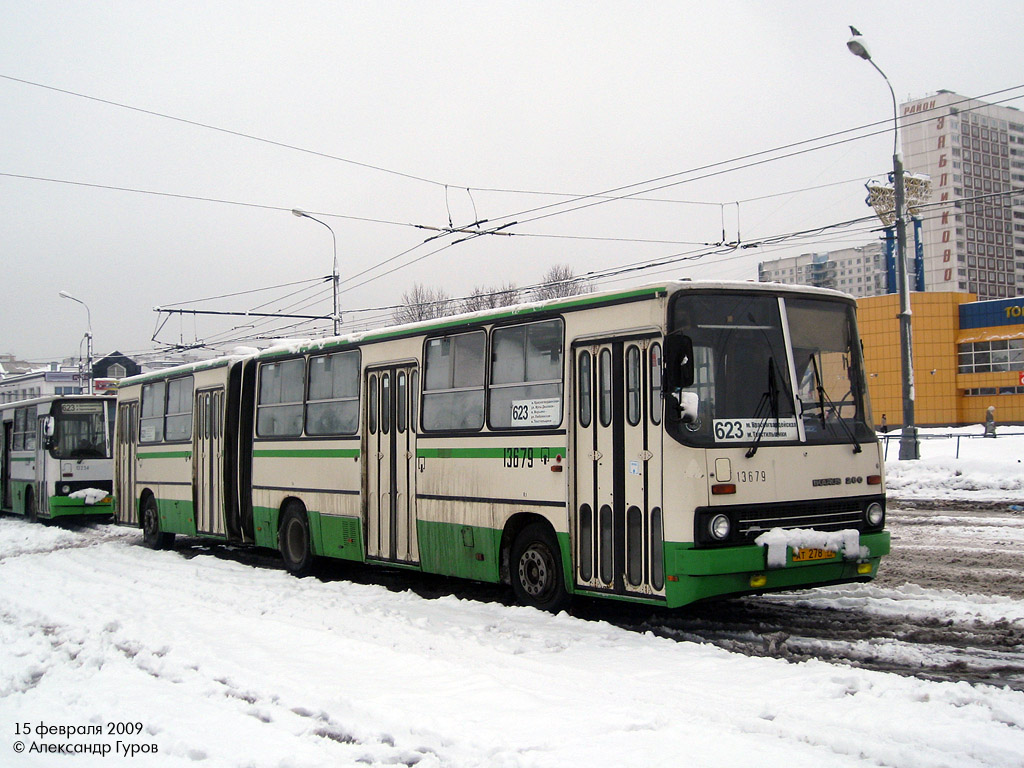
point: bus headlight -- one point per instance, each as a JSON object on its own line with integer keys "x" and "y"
{"x": 719, "y": 527}
{"x": 874, "y": 514}
{"x": 65, "y": 489}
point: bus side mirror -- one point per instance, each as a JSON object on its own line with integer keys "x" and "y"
{"x": 678, "y": 362}
{"x": 48, "y": 430}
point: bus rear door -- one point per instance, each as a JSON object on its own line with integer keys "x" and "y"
{"x": 391, "y": 464}
{"x": 208, "y": 461}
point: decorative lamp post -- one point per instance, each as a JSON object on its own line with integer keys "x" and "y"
{"x": 909, "y": 445}
{"x": 88, "y": 337}
{"x": 336, "y": 315}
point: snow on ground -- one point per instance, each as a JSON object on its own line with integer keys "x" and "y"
{"x": 986, "y": 470}
{"x": 225, "y": 664}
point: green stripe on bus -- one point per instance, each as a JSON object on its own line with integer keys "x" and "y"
{"x": 308, "y": 453}
{"x": 481, "y": 453}
{"x": 165, "y": 455}
{"x": 23, "y": 458}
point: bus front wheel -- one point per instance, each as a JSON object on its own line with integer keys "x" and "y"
{"x": 536, "y": 569}
{"x": 293, "y": 540}
{"x": 152, "y": 536}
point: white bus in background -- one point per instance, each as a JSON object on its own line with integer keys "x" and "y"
{"x": 664, "y": 445}
{"x": 55, "y": 460}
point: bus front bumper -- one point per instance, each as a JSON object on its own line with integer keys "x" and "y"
{"x": 699, "y": 574}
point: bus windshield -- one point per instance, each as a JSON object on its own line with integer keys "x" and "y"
{"x": 746, "y": 349}
{"x": 80, "y": 430}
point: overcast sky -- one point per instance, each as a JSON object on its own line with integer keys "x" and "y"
{"x": 378, "y": 116}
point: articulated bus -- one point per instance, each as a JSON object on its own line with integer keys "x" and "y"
{"x": 55, "y": 459}
{"x": 638, "y": 445}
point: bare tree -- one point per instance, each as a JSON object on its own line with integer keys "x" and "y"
{"x": 422, "y": 303}
{"x": 490, "y": 298}
{"x": 560, "y": 280}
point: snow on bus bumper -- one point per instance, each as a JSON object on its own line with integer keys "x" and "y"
{"x": 696, "y": 574}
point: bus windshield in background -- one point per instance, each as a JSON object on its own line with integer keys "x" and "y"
{"x": 741, "y": 370}
{"x": 80, "y": 430}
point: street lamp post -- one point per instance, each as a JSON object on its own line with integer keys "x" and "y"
{"x": 909, "y": 445}
{"x": 336, "y": 315}
{"x": 88, "y": 337}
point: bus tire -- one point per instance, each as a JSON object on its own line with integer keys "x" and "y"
{"x": 31, "y": 514}
{"x": 152, "y": 536}
{"x": 536, "y": 569}
{"x": 293, "y": 540}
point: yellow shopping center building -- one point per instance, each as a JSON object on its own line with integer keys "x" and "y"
{"x": 968, "y": 355}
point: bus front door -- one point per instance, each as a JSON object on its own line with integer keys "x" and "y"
{"x": 124, "y": 462}
{"x": 391, "y": 464}
{"x": 617, "y": 481}
{"x": 207, "y": 461}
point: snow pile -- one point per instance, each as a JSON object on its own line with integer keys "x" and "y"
{"x": 985, "y": 470}
{"x": 91, "y": 495}
{"x": 780, "y": 540}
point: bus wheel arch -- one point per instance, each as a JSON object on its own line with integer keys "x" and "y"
{"x": 293, "y": 537}
{"x": 149, "y": 521}
{"x": 531, "y": 559}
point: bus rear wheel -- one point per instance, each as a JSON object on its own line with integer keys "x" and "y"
{"x": 536, "y": 569}
{"x": 152, "y": 536}
{"x": 293, "y": 540}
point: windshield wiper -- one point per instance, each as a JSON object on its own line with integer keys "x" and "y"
{"x": 770, "y": 399}
{"x": 823, "y": 398}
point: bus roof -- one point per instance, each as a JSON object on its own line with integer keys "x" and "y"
{"x": 290, "y": 347}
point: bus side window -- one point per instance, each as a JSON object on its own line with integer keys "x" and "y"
{"x": 279, "y": 411}
{"x": 655, "y": 404}
{"x": 525, "y": 387}
{"x": 453, "y": 382}
{"x": 151, "y": 425}
{"x": 332, "y": 406}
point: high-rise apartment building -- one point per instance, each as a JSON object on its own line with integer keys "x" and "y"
{"x": 973, "y": 226}
{"x": 858, "y": 271}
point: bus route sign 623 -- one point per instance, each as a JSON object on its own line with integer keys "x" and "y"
{"x": 744, "y": 430}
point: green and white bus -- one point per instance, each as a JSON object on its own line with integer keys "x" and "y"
{"x": 56, "y": 456}
{"x": 665, "y": 444}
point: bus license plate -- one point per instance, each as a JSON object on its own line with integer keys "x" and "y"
{"x": 805, "y": 554}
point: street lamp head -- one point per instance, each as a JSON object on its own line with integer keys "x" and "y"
{"x": 66, "y": 295}
{"x": 297, "y": 212}
{"x": 857, "y": 45}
